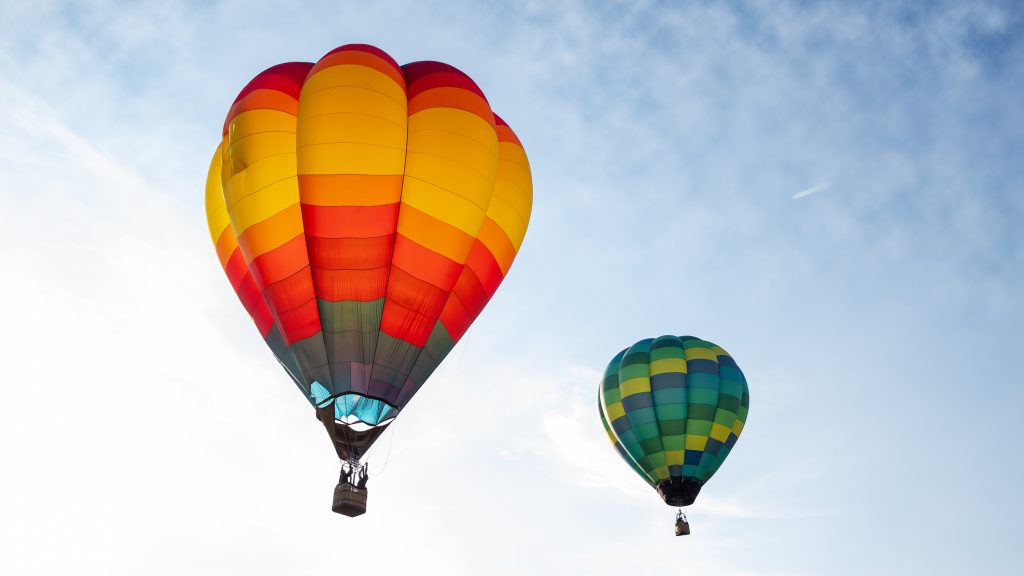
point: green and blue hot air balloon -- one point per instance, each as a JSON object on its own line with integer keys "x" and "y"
{"x": 674, "y": 406}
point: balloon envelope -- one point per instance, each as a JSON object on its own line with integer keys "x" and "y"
{"x": 365, "y": 213}
{"x": 673, "y": 407}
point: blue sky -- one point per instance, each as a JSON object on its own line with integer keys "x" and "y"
{"x": 831, "y": 191}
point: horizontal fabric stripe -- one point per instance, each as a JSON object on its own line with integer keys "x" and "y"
{"x": 350, "y": 221}
{"x": 350, "y": 253}
{"x": 350, "y": 189}
{"x": 425, "y": 264}
{"x": 362, "y": 55}
{"x": 450, "y": 97}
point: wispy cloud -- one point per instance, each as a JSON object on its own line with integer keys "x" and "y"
{"x": 812, "y": 190}
{"x": 35, "y": 121}
{"x": 575, "y": 442}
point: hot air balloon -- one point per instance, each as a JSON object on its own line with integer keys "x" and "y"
{"x": 673, "y": 407}
{"x": 364, "y": 212}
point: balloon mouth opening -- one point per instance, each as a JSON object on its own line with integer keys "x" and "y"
{"x": 679, "y": 491}
{"x": 360, "y": 426}
{"x": 357, "y": 411}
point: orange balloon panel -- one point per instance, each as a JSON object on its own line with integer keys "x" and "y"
{"x": 365, "y": 213}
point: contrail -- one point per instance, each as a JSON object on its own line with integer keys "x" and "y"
{"x": 812, "y": 190}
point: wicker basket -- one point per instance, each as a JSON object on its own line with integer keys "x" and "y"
{"x": 349, "y": 499}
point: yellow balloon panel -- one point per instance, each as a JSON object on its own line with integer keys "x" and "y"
{"x": 216, "y": 210}
{"x": 514, "y": 169}
{"x": 442, "y": 204}
{"x": 259, "y": 175}
{"x": 263, "y": 204}
{"x": 363, "y": 79}
{"x": 509, "y": 221}
{"x": 350, "y": 158}
{"x": 434, "y": 234}
{"x": 282, "y": 227}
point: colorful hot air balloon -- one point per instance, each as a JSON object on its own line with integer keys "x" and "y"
{"x": 673, "y": 407}
{"x": 365, "y": 213}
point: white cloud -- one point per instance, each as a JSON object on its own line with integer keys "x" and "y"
{"x": 575, "y": 443}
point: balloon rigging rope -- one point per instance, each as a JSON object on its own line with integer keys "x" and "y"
{"x": 437, "y": 408}
{"x": 387, "y": 455}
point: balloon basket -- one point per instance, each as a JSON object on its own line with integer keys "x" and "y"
{"x": 682, "y": 524}
{"x": 349, "y": 500}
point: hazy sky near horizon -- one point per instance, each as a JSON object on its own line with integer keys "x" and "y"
{"x": 831, "y": 191}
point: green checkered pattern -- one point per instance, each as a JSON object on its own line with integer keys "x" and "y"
{"x": 674, "y": 406}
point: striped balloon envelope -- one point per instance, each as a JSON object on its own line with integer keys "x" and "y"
{"x": 673, "y": 407}
{"x": 365, "y": 213}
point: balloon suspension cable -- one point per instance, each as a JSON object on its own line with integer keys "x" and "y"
{"x": 349, "y": 468}
{"x": 391, "y": 431}
{"x": 352, "y": 469}
{"x": 449, "y": 384}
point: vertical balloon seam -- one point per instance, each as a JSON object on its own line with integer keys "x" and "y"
{"x": 694, "y": 439}
{"x": 391, "y": 259}
{"x": 661, "y": 457}
{"x": 387, "y": 279}
{"x": 467, "y": 272}
{"x": 217, "y": 217}
{"x": 299, "y": 378}
{"x": 267, "y": 90}
{"x": 741, "y": 416}
{"x": 630, "y": 443}
{"x": 699, "y": 372}
{"x": 718, "y": 449}
{"x": 305, "y": 239}
{"x": 411, "y": 360}
{"x": 343, "y": 55}
{"x": 662, "y": 454}
{"x": 372, "y": 365}
{"x": 738, "y": 423}
{"x": 253, "y": 303}
{"x": 662, "y": 389}
{"x": 300, "y": 346}
{"x": 671, "y": 414}
{"x": 702, "y": 383}
{"x": 613, "y": 437}
{"x": 612, "y": 382}
{"x": 311, "y": 344}
{"x": 457, "y": 314}
{"x": 305, "y": 242}
{"x": 634, "y": 388}
{"x": 625, "y": 432}
{"x": 619, "y": 380}
{"x": 741, "y": 413}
